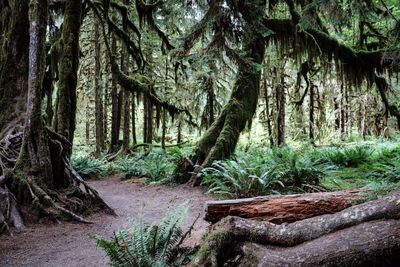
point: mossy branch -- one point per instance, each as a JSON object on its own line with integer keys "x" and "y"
{"x": 137, "y": 82}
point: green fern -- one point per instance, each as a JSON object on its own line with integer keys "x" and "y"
{"x": 145, "y": 245}
{"x": 87, "y": 167}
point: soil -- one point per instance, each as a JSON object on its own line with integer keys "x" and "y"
{"x": 71, "y": 244}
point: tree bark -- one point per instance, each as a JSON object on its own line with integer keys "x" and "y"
{"x": 280, "y": 104}
{"x": 99, "y": 116}
{"x": 39, "y": 174}
{"x": 267, "y": 112}
{"x": 283, "y": 209}
{"x": 133, "y": 110}
{"x": 114, "y": 105}
{"x": 373, "y": 243}
{"x": 68, "y": 68}
{"x": 312, "y": 122}
{"x": 14, "y": 65}
{"x": 286, "y": 242}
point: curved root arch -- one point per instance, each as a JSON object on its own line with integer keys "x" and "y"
{"x": 68, "y": 195}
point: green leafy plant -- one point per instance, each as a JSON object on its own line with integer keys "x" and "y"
{"x": 158, "y": 167}
{"x": 347, "y": 157}
{"x": 293, "y": 169}
{"x": 150, "y": 245}
{"x": 87, "y": 167}
{"x": 128, "y": 166}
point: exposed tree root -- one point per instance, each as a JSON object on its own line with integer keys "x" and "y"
{"x": 68, "y": 198}
{"x": 230, "y": 232}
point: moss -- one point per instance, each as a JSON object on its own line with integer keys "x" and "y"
{"x": 68, "y": 68}
{"x": 249, "y": 260}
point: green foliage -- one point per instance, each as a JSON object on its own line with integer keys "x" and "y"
{"x": 157, "y": 166}
{"x": 240, "y": 178}
{"x": 87, "y": 167}
{"x": 149, "y": 245}
{"x": 128, "y": 166}
{"x": 347, "y": 157}
{"x": 294, "y": 168}
{"x": 262, "y": 172}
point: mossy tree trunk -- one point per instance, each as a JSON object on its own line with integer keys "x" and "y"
{"x": 220, "y": 140}
{"x": 14, "y": 42}
{"x": 68, "y": 68}
{"x": 36, "y": 170}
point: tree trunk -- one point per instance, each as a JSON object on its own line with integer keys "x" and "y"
{"x": 37, "y": 171}
{"x": 68, "y": 68}
{"x": 357, "y": 236}
{"x": 267, "y": 112}
{"x": 286, "y": 208}
{"x": 164, "y": 128}
{"x": 133, "y": 110}
{"x": 342, "y": 113}
{"x": 114, "y": 106}
{"x": 220, "y": 140}
{"x": 280, "y": 104}
{"x": 312, "y": 122}
{"x": 14, "y": 66}
{"x": 98, "y": 94}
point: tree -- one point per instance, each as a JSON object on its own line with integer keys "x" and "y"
{"x": 299, "y": 36}
{"x": 36, "y": 167}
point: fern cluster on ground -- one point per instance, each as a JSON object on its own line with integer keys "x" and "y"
{"x": 150, "y": 245}
{"x": 259, "y": 171}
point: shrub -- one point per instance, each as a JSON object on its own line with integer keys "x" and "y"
{"x": 347, "y": 157}
{"x": 128, "y": 166}
{"x": 293, "y": 169}
{"x": 150, "y": 245}
{"x": 87, "y": 167}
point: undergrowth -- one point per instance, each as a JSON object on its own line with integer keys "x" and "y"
{"x": 260, "y": 171}
{"x": 150, "y": 245}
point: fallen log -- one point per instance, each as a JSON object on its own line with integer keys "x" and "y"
{"x": 375, "y": 243}
{"x": 284, "y": 208}
{"x": 363, "y": 235}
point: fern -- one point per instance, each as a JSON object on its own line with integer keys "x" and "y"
{"x": 144, "y": 244}
{"x": 87, "y": 167}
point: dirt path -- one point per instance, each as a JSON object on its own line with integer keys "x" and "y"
{"x": 70, "y": 244}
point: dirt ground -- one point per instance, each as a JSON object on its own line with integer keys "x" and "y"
{"x": 70, "y": 244}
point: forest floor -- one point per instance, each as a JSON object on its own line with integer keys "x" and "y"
{"x": 71, "y": 244}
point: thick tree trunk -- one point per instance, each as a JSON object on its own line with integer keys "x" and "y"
{"x": 220, "y": 139}
{"x": 286, "y": 208}
{"x": 38, "y": 173}
{"x": 68, "y": 67}
{"x": 14, "y": 65}
{"x": 357, "y": 236}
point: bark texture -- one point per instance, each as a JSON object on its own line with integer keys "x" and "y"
{"x": 283, "y": 209}
{"x": 357, "y": 236}
{"x": 68, "y": 68}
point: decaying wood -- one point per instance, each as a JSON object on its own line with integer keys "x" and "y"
{"x": 286, "y": 208}
{"x": 305, "y": 240}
